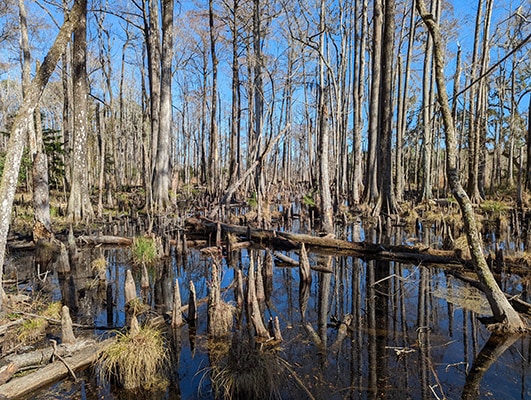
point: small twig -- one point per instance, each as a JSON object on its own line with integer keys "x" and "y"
{"x": 457, "y": 364}
{"x": 70, "y": 370}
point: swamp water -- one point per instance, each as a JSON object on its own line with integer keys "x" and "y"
{"x": 413, "y": 331}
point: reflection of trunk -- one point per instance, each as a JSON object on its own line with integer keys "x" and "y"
{"x": 219, "y": 312}
{"x": 371, "y": 328}
{"x": 381, "y": 306}
{"x": 501, "y": 308}
{"x": 304, "y": 295}
{"x": 357, "y": 325}
{"x": 254, "y": 309}
{"x": 423, "y": 332}
{"x": 493, "y": 349}
{"x": 325, "y": 280}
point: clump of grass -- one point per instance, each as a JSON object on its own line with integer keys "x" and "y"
{"x": 135, "y": 360}
{"x": 245, "y": 371}
{"x": 253, "y": 200}
{"x": 99, "y": 267}
{"x": 308, "y": 200}
{"x": 33, "y": 329}
{"x": 137, "y": 307}
{"x": 495, "y": 207}
{"x": 146, "y": 250}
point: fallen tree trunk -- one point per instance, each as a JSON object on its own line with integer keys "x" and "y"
{"x": 53, "y": 372}
{"x": 293, "y": 241}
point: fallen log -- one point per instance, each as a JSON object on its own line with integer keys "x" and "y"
{"x": 327, "y": 244}
{"x": 53, "y": 372}
{"x": 519, "y": 305}
{"x": 105, "y": 240}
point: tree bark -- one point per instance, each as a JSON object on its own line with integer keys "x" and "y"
{"x": 371, "y": 177}
{"x": 327, "y": 219}
{"x": 161, "y": 180}
{"x": 41, "y": 199}
{"x": 385, "y": 114}
{"x": 79, "y": 206}
{"x": 17, "y": 137}
{"x": 502, "y": 310}
{"x": 213, "y": 156}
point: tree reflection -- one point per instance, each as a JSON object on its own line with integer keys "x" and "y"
{"x": 489, "y": 354}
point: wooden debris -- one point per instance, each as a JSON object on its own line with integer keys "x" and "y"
{"x": 66, "y": 326}
{"x": 192, "y": 305}
{"x": 220, "y": 315}
{"x": 293, "y": 241}
{"x": 134, "y": 326}
{"x": 144, "y": 280}
{"x": 105, "y": 240}
{"x": 176, "y": 315}
{"x": 53, "y": 372}
{"x": 304, "y": 266}
{"x": 130, "y": 287}
{"x": 274, "y": 329}
{"x": 7, "y": 371}
{"x": 239, "y": 291}
{"x": 255, "y": 313}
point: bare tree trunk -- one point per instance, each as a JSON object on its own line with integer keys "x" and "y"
{"x": 473, "y": 138}
{"x": 402, "y": 110}
{"x": 161, "y": 177}
{"x": 528, "y": 149}
{"x": 17, "y": 138}
{"x": 503, "y": 312}
{"x": 234, "y": 152}
{"x": 427, "y": 115}
{"x": 152, "y": 34}
{"x": 327, "y": 218}
{"x": 213, "y": 156}
{"x": 358, "y": 100}
{"x": 371, "y": 178}
{"x": 79, "y": 206}
{"x": 385, "y": 128}
{"x": 41, "y": 198}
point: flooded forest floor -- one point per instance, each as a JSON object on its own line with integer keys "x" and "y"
{"x": 386, "y": 308}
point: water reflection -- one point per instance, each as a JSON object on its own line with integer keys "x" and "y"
{"x": 370, "y": 329}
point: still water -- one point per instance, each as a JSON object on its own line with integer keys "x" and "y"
{"x": 371, "y": 329}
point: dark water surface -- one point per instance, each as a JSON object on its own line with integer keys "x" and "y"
{"x": 413, "y": 332}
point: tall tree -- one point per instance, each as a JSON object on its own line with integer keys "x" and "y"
{"x": 502, "y": 310}
{"x": 79, "y": 205}
{"x": 41, "y": 199}
{"x": 327, "y": 221}
{"x": 150, "y": 10}
{"x": 371, "y": 195}
{"x": 427, "y": 114}
{"x": 213, "y": 159}
{"x": 361, "y": 13}
{"x": 17, "y": 138}
{"x": 385, "y": 124}
{"x": 234, "y": 147}
{"x": 161, "y": 181}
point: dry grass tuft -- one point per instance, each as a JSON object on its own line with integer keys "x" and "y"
{"x": 241, "y": 369}
{"x": 135, "y": 361}
{"x": 99, "y": 267}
